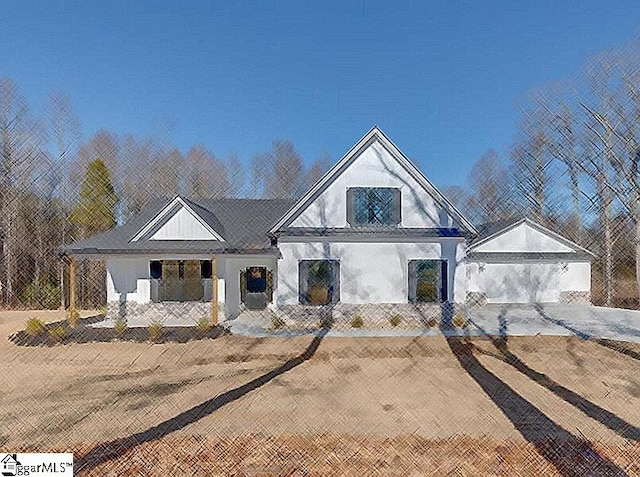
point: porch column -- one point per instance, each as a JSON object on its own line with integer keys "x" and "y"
{"x": 72, "y": 286}
{"x": 62, "y": 294}
{"x": 214, "y": 292}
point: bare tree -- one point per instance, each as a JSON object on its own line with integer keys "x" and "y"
{"x": 282, "y": 171}
{"x": 531, "y": 164}
{"x": 206, "y": 176}
{"x": 64, "y": 129}
{"x": 490, "y": 190}
{"x": 236, "y": 173}
{"x": 18, "y": 140}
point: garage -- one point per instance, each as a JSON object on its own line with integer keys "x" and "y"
{"x": 527, "y": 263}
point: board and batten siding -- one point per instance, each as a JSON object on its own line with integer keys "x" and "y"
{"x": 374, "y": 167}
{"x": 182, "y": 226}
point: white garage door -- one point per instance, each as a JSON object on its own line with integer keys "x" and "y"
{"x": 521, "y": 282}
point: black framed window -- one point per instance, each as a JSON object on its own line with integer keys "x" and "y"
{"x": 206, "y": 270}
{"x": 155, "y": 269}
{"x": 428, "y": 281}
{"x": 256, "y": 278}
{"x": 373, "y": 206}
{"x": 319, "y": 282}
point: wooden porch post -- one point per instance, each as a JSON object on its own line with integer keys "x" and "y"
{"x": 214, "y": 292}
{"x": 72, "y": 286}
{"x": 62, "y": 294}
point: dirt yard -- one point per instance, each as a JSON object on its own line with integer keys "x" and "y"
{"x": 344, "y": 406}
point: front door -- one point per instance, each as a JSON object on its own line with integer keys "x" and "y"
{"x": 255, "y": 287}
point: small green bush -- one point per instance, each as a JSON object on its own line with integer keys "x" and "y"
{"x": 204, "y": 324}
{"x": 395, "y": 320}
{"x": 120, "y": 326}
{"x": 57, "y": 333}
{"x": 46, "y": 295}
{"x": 357, "y": 322}
{"x": 277, "y": 322}
{"x": 459, "y": 321}
{"x": 155, "y": 331}
{"x": 73, "y": 318}
{"x": 432, "y": 322}
{"x": 35, "y": 327}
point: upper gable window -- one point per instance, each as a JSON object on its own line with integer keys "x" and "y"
{"x": 373, "y": 206}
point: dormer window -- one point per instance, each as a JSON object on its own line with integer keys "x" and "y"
{"x": 373, "y": 207}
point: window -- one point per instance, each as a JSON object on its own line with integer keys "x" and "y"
{"x": 319, "y": 282}
{"x": 256, "y": 279}
{"x": 155, "y": 269}
{"x": 428, "y": 281}
{"x": 206, "y": 270}
{"x": 373, "y": 206}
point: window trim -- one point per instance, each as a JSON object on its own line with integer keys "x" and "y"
{"x": 396, "y": 207}
{"x": 443, "y": 289}
{"x": 334, "y": 285}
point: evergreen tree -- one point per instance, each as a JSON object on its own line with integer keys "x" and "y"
{"x": 96, "y": 208}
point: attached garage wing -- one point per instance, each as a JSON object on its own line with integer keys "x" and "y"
{"x": 526, "y": 263}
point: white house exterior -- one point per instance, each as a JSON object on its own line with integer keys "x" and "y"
{"x": 525, "y": 263}
{"x": 372, "y": 236}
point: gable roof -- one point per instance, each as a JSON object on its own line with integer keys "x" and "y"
{"x": 492, "y": 231}
{"x": 375, "y": 134}
{"x": 243, "y": 223}
{"x": 208, "y": 220}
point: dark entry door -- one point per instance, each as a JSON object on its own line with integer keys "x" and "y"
{"x": 254, "y": 281}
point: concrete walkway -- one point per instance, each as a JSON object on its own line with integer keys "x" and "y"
{"x": 507, "y": 320}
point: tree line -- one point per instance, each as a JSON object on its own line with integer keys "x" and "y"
{"x": 56, "y": 187}
{"x": 573, "y": 166}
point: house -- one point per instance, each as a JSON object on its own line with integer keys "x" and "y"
{"x": 373, "y": 235}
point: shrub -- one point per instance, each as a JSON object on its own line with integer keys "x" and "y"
{"x": 57, "y": 333}
{"x": 204, "y": 324}
{"x": 459, "y": 321}
{"x": 73, "y": 318}
{"x": 45, "y": 296}
{"x": 35, "y": 327}
{"x": 356, "y": 321}
{"x": 395, "y": 320}
{"x": 155, "y": 331}
{"x": 120, "y": 326}
{"x": 277, "y": 322}
{"x": 432, "y": 322}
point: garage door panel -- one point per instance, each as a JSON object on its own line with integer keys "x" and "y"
{"x": 521, "y": 282}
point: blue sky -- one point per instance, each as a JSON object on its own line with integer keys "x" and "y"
{"x": 443, "y": 80}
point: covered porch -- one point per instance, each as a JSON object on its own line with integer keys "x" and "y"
{"x": 185, "y": 289}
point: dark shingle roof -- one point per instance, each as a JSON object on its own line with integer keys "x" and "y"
{"x": 490, "y": 228}
{"x": 243, "y": 223}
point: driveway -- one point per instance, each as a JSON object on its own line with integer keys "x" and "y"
{"x": 506, "y": 320}
{"x": 556, "y": 320}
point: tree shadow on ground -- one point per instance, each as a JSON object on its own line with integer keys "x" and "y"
{"x": 117, "y": 448}
{"x": 592, "y": 410}
{"x": 568, "y": 454}
{"x": 614, "y": 345}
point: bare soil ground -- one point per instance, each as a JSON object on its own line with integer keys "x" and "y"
{"x": 326, "y": 406}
